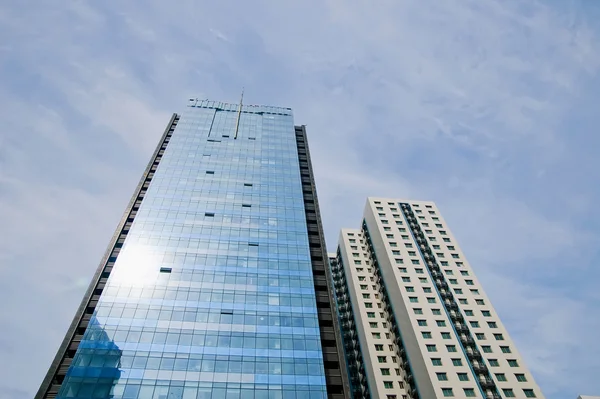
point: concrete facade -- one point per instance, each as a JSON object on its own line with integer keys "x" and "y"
{"x": 423, "y": 323}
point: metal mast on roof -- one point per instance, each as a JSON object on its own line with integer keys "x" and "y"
{"x": 237, "y": 123}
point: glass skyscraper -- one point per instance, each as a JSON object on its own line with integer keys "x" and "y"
{"x": 215, "y": 284}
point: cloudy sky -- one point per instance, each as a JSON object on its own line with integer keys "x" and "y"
{"x": 487, "y": 107}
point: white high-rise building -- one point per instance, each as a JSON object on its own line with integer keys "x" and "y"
{"x": 416, "y": 321}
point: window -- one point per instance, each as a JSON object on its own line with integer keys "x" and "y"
{"x": 430, "y": 300}
{"x": 457, "y": 362}
{"x": 479, "y": 301}
{"x": 442, "y": 232}
{"x": 401, "y": 269}
{"x": 447, "y": 392}
{"x": 440, "y": 323}
{"x": 363, "y": 286}
{"x": 431, "y": 348}
{"x": 455, "y": 256}
{"x": 442, "y": 376}
{"x": 480, "y": 336}
{"x": 389, "y": 235}
{"x": 436, "y": 361}
{"x": 459, "y": 264}
{"x": 453, "y": 281}
{"x": 451, "y": 348}
{"x": 426, "y": 334}
{"x": 387, "y": 229}
{"x": 448, "y": 271}
{"x": 469, "y": 282}
{"x": 445, "y": 263}
{"x": 529, "y": 393}
{"x": 355, "y": 254}
{"x": 361, "y": 278}
{"x": 494, "y": 362}
{"x": 373, "y": 324}
{"x": 501, "y": 377}
{"x": 385, "y": 371}
{"x": 414, "y": 262}
{"x": 499, "y": 337}
{"x": 462, "y": 301}
{"x": 366, "y": 296}
{"x": 395, "y": 252}
{"x": 376, "y": 335}
{"x": 469, "y": 392}
{"x": 436, "y": 246}
{"x": 357, "y": 262}
{"x": 410, "y": 289}
{"x": 393, "y": 244}
{"x": 379, "y": 208}
{"x": 486, "y": 313}
{"x": 406, "y": 279}
{"x": 388, "y": 384}
{"x": 412, "y": 253}
{"x": 468, "y": 312}
{"x": 418, "y": 310}
{"x": 440, "y": 254}
{"x": 371, "y": 315}
{"x": 509, "y": 393}
{"x": 446, "y": 335}
{"x": 422, "y": 323}
{"x": 413, "y": 299}
{"x": 423, "y": 280}
{"x": 381, "y": 359}
{"x": 379, "y": 348}
{"x": 436, "y": 312}
{"x": 432, "y": 239}
{"x": 505, "y": 349}
{"x": 521, "y": 377}
{"x": 463, "y": 377}
{"x": 474, "y": 324}
{"x": 464, "y": 273}
{"x": 368, "y": 304}
{"x": 474, "y": 292}
{"x": 419, "y": 271}
{"x": 428, "y": 232}
{"x": 492, "y": 324}
{"x": 427, "y": 290}
{"x": 486, "y": 349}
{"x": 513, "y": 363}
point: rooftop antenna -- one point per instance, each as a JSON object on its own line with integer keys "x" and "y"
{"x": 237, "y": 123}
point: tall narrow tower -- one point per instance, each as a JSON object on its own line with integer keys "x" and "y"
{"x": 215, "y": 283}
{"x": 417, "y": 323}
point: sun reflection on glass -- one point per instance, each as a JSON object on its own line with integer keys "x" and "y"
{"x": 137, "y": 265}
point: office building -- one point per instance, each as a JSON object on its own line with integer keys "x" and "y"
{"x": 416, "y": 321}
{"x": 215, "y": 283}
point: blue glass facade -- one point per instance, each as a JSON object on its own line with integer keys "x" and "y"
{"x": 212, "y": 293}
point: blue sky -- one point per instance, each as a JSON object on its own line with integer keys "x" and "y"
{"x": 487, "y": 107}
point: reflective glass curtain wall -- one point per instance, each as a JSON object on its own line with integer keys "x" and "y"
{"x": 211, "y": 295}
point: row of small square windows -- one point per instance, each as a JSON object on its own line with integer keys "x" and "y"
{"x": 426, "y": 290}
{"x": 468, "y": 392}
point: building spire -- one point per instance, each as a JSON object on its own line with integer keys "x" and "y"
{"x": 237, "y": 123}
